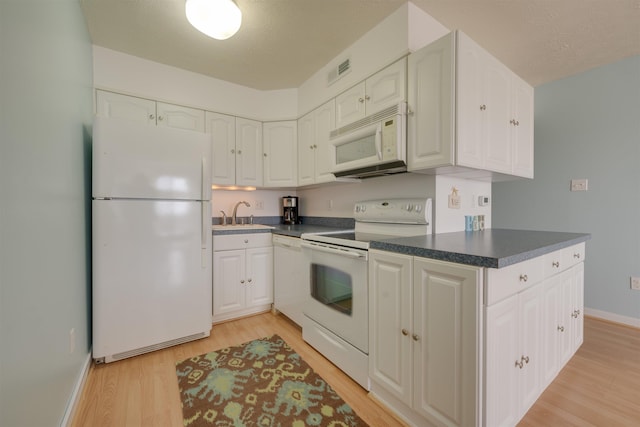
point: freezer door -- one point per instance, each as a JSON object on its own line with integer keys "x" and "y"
{"x": 131, "y": 160}
{"x": 151, "y": 273}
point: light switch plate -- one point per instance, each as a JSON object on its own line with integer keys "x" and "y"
{"x": 579, "y": 184}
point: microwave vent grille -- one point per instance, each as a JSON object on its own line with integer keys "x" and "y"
{"x": 379, "y": 116}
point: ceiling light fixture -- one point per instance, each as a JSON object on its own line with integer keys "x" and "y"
{"x": 219, "y": 19}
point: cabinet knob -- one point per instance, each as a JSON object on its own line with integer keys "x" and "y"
{"x": 311, "y": 147}
{"x": 367, "y": 97}
{"x": 483, "y": 107}
{"x": 577, "y": 255}
{"x": 556, "y": 264}
{"x": 517, "y": 123}
{"x": 361, "y": 100}
{"x": 524, "y": 278}
{"x": 246, "y": 240}
{"x": 561, "y": 328}
{"x": 524, "y": 359}
{"x": 264, "y": 154}
{"x": 239, "y": 151}
{"x": 242, "y": 281}
{"x": 405, "y": 332}
{"x": 151, "y": 116}
{"x": 160, "y": 118}
{"x": 519, "y": 364}
{"x": 233, "y": 151}
{"x": 415, "y": 337}
{"x": 315, "y": 146}
{"x": 249, "y": 280}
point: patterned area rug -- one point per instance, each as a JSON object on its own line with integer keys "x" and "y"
{"x": 262, "y": 383}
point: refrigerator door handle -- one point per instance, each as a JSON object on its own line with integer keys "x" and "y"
{"x": 203, "y": 234}
{"x": 204, "y": 186}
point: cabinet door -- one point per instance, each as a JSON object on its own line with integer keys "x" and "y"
{"x": 446, "y": 322}
{"x": 430, "y": 97}
{"x": 119, "y": 106}
{"x": 496, "y": 134}
{"x": 223, "y": 142}
{"x": 577, "y": 309}
{"x": 177, "y": 116}
{"x": 530, "y": 306}
{"x": 325, "y": 119}
{"x": 551, "y": 340}
{"x": 259, "y": 277}
{"x": 501, "y": 353}
{"x": 228, "y": 282}
{"x": 350, "y": 105}
{"x": 390, "y": 323}
{"x": 306, "y": 151}
{"x": 522, "y": 128}
{"x": 386, "y": 87}
{"x": 280, "y": 159}
{"x": 471, "y": 106}
{"x": 248, "y": 152}
{"x": 565, "y": 340}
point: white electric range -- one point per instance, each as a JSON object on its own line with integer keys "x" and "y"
{"x": 336, "y": 320}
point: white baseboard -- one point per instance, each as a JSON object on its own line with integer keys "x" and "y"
{"x": 77, "y": 393}
{"x": 612, "y": 317}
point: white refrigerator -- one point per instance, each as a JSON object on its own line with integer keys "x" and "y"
{"x": 151, "y": 222}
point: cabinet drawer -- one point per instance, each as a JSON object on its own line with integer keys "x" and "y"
{"x": 230, "y": 242}
{"x": 503, "y": 282}
{"x": 561, "y": 260}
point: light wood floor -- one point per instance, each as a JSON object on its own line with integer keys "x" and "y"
{"x": 600, "y": 386}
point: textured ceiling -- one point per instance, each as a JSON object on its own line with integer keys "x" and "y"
{"x": 283, "y": 42}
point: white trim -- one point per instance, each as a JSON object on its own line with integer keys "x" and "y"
{"x": 77, "y": 393}
{"x": 625, "y": 320}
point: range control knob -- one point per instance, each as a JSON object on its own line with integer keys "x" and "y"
{"x": 418, "y": 208}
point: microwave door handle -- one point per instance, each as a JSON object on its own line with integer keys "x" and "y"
{"x": 379, "y": 141}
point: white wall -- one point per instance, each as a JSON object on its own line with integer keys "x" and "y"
{"x": 131, "y": 75}
{"x": 448, "y": 219}
{"x": 407, "y": 29}
{"x": 226, "y": 199}
{"x": 338, "y": 199}
{"x": 45, "y": 219}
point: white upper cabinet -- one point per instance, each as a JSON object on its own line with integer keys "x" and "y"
{"x": 467, "y": 109}
{"x": 313, "y": 145}
{"x": 248, "y": 152}
{"x": 384, "y": 89}
{"x": 237, "y": 150}
{"x": 280, "y": 154}
{"x": 116, "y": 105}
{"x": 222, "y": 129}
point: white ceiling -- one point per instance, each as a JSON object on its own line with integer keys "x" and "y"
{"x": 283, "y": 42}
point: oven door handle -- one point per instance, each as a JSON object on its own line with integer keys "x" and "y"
{"x": 334, "y": 250}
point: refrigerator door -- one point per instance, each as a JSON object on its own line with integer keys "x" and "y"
{"x": 151, "y": 274}
{"x": 131, "y": 160}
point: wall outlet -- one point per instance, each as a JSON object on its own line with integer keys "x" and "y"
{"x": 259, "y": 205}
{"x": 579, "y": 185}
{"x": 635, "y": 283}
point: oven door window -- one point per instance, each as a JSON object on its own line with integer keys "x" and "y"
{"x": 332, "y": 287}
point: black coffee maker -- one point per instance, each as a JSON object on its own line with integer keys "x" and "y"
{"x": 290, "y": 210}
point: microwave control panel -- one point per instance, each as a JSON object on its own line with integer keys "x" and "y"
{"x": 389, "y": 139}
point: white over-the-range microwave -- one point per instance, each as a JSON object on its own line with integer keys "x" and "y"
{"x": 373, "y": 146}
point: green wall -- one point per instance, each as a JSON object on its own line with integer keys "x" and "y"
{"x": 45, "y": 123}
{"x": 587, "y": 126}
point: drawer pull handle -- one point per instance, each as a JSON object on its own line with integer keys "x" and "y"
{"x": 576, "y": 255}
{"x": 405, "y": 332}
{"x": 523, "y": 278}
{"x": 561, "y": 328}
{"x": 556, "y": 264}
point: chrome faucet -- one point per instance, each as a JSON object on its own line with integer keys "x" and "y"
{"x": 235, "y": 209}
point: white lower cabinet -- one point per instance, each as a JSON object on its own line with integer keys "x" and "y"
{"x": 424, "y": 352}
{"x": 242, "y": 275}
{"x": 513, "y": 348}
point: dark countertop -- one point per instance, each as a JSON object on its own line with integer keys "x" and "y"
{"x": 493, "y": 248}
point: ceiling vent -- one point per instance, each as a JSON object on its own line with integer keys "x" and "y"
{"x": 338, "y": 72}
